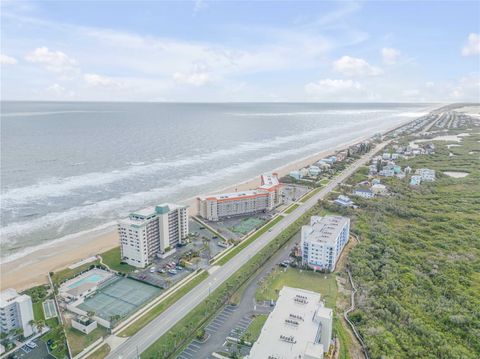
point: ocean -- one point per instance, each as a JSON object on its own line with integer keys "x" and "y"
{"x": 69, "y": 167}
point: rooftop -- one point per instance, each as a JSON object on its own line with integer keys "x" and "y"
{"x": 269, "y": 181}
{"x": 233, "y": 195}
{"x": 7, "y": 296}
{"x": 325, "y": 229}
{"x": 293, "y": 327}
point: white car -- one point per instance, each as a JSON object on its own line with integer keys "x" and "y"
{"x": 31, "y": 345}
{"x": 152, "y": 270}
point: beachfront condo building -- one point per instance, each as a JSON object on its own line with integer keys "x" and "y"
{"x": 16, "y": 312}
{"x": 262, "y": 199}
{"x": 300, "y": 326}
{"x": 151, "y": 232}
{"x": 323, "y": 240}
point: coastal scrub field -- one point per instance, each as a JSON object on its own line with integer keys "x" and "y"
{"x": 418, "y": 266}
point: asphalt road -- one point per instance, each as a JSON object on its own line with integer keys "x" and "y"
{"x": 144, "y": 338}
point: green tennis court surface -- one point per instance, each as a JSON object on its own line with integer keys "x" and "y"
{"x": 49, "y": 309}
{"x": 120, "y": 297}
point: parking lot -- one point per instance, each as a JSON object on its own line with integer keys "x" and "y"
{"x": 219, "y": 324}
{"x": 292, "y": 192}
{"x": 40, "y": 352}
{"x": 166, "y": 272}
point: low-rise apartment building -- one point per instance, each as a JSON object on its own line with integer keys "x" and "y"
{"x": 152, "y": 231}
{"x": 16, "y": 312}
{"x": 263, "y": 199}
{"x": 323, "y": 240}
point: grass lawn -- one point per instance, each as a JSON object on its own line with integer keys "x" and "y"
{"x": 56, "y": 334}
{"x": 322, "y": 283}
{"x": 100, "y": 353}
{"x": 344, "y": 338}
{"x": 310, "y": 195}
{"x": 112, "y": 259}
{"x": 38, "y": 311}
{"x": 253, "y": 331}
{"x": 247, "y": 241}
{"x": 157, "y": 310}
{"x": 292, "y": 208}
{"x": 79, "y": 341}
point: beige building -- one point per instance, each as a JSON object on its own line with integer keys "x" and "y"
{"x": 263, "y": 199}
{"x": 152, "y": 231}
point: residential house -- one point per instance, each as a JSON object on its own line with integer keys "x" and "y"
{"x": 364, "y": 193}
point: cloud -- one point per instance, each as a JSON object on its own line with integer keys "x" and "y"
{"x": 7, "y": 60}
{"x": 198, "y": 76}
{"x": 60, "y": 91}
{"x": 390, "y": 55}
{"x": 473, "y": 45}
{"x": 199, "y": 5}
{"x": 95, "y": 80}
{"x": 352, "y": 67}
{"x": 413, "y": 93}
{"x": 467, "y": 88}
{"x": 329, "y": 87}
{"x": 54, "y": 61}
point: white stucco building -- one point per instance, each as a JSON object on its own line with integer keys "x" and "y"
{"x": 323, "y": 240}
{"x": 152, "y": 231}
{"x": 263, "y": 199}
{"x": 298, "y": 327}
{"x": 16, "y": 312}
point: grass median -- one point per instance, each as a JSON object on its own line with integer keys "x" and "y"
{"x": 247, "y": 241}
{"x": 292, "y": 208}
{"x": 310, "y": 195}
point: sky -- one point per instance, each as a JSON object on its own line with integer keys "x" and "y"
{"x": 224, "y": 51}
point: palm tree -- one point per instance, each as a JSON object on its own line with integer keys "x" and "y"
{"x": 40, "y": 324}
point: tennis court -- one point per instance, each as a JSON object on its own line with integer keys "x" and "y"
{"x": 119, "y": 297}
{"x": 49, "y": 309}
{"x": 247, "y": 224}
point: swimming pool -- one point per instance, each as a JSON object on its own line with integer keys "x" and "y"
{"x": 92, "y": 278}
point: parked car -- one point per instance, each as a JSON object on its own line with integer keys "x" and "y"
{"x": 172, "y": 271}
{"x": 178, "y": 267}
{"x": 31, "y": 345}
{"x": 152, "y": 270}
{"x": 161, "y": 271}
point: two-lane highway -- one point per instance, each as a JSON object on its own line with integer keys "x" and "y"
{"x": 144, "y": 338}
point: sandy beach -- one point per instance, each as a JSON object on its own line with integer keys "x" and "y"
{"x": 32, "y": 269}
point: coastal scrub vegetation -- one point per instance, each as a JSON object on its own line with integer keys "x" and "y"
{"x": 418, "y": 266}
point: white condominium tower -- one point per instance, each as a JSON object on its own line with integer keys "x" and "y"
{"x": 16, "y": 312}
{"x": 264, "y": 198}
{"x": 152, "y": 231}
{"x": 323, "y": 241}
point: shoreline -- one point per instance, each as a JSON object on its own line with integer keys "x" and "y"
{"x": 32, "y": 268}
